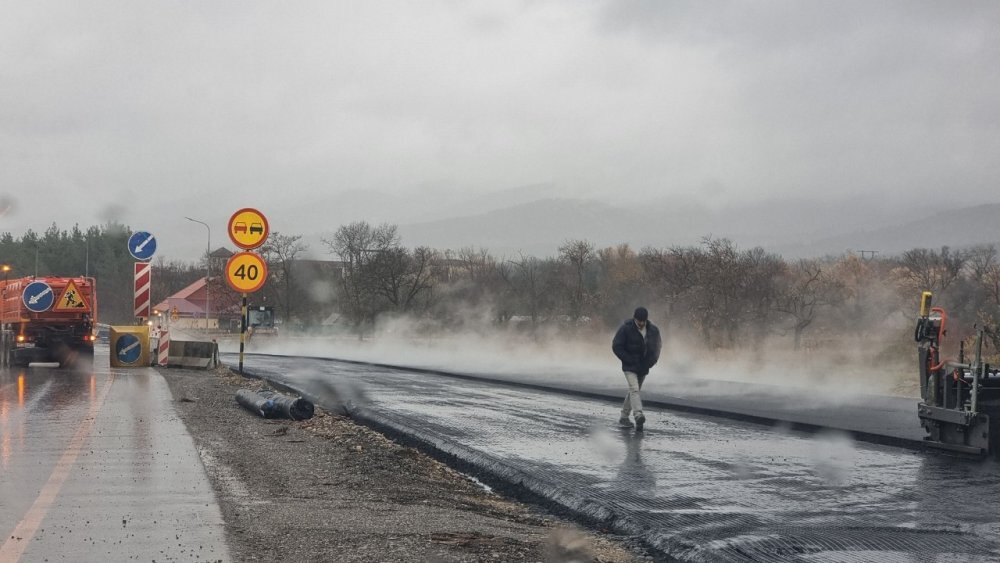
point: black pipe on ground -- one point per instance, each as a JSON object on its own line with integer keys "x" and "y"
{"x": 270, "y": 404}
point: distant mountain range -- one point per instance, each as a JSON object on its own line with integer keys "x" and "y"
{"x": 535, "y": 220}
{"x": 956, "y": 228}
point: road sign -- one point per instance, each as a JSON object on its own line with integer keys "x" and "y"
{"x": 71, "y": 300}
{"x": 248, "y": 228}
{"x": 142, "y": 245}
{"x": 246, "y": 272}
{"x": 128, "y": 348}
{"x": 142, "y": 282}
{"x": 38, "y": 296}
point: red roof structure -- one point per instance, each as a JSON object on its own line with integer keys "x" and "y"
{"x": 190, "y": 301}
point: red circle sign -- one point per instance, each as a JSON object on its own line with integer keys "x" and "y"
{"x": 248, "y": 228}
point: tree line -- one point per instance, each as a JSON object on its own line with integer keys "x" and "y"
{"x": 100, "y": 252}
{"x": 724, "y": 296}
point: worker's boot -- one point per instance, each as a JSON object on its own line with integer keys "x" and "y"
{"x": 639, "y": 421}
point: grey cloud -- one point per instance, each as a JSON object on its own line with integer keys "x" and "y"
{"x": 166, "y": 108}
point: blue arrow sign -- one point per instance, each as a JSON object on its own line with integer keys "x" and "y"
{"x": 128, "y": 348}
{"x": 142, "y": 245}
{"x": 38, "y": 296}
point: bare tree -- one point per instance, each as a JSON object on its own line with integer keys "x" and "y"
{"x": 922, "y": 269}
{"x": 402, "y": 277}
{"x": 358, "y": 244}
{"x": 529, "y": 279}
{"x": 620, "y": 282}
{"x": 991, "y": 282}
{"x": 280, "y": 252}
{"x": 761, "y": 271}
{"x": 717, "y": 305}
{"x": 477, "y": 264}
{"x": 980, "y": 259}
{"x": 577, "y": 255}
{"x": 806, "y": 288}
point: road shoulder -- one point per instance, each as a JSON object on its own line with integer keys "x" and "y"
{"x": 330, "y": 489}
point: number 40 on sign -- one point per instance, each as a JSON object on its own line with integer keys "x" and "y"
{"x": 246, "y": 272}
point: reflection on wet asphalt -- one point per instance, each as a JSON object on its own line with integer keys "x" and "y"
{"x": 95, "y": 465}
{"x": 701, "y": 489}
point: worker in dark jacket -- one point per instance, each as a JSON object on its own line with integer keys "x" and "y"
{"x": 637, "y": 344}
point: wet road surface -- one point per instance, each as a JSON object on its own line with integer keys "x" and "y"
{"x": 95, "y": 466}
{"x": 696, "y": 488}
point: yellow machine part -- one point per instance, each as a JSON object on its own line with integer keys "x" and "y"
{"x": 925, "y": 303}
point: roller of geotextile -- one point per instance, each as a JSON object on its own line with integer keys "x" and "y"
{"x": 269, "y": 404}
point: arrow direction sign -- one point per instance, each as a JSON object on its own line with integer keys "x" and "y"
{"x": 124, "y": 351}
{"x": 142, "y": 245}
{"x": 38, "y": 297}
{"x": 128, "y": 349}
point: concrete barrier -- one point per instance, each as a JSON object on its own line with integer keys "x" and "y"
{"x": 193, "y": 354}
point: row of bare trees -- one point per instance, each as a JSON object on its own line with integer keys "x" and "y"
{"x": 724, "y": 295}
{"x": 729, "y": 297}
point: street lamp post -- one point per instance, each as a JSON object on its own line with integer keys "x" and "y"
{"x": 3, "y": 313}
{"x": 208, "y": 264}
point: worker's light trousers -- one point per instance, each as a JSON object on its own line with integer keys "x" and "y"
{"x": 633, "y": 402}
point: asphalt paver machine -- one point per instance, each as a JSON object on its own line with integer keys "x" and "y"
{"x": 960, "y": 398}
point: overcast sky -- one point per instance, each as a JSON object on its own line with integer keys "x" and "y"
{"x": 145, "y": 112}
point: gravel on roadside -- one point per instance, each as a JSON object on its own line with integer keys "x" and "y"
{"x": 328, "y": 489}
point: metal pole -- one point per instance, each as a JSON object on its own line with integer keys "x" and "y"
{"x": 978, "y": 369}
{"x": 3, "y": 322}
{"x": 243, "y": 330}
{"x": 208, "y": 271}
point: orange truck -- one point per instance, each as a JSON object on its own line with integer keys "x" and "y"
{"x": 48, "y": 319}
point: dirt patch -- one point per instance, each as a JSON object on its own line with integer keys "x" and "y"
{"x": 327, "y": 489}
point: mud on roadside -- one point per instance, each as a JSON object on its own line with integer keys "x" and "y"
{"x": 327, "y": 489}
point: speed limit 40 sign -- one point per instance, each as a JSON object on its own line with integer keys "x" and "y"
{"x": 246, "y": 272}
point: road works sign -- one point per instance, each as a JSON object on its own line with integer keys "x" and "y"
{"x": 142, "y": 245}
{"x": 72, "y": 300}
{"x": 38, "y": 296}
{"x": 248, "y": 228}
{"x": 246, "y": 272}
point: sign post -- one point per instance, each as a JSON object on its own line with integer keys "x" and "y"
{"x": 142, "y": 246}
{"x": 246, "y": 272}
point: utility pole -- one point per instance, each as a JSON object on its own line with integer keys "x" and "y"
{"x": 4, "y": 360}
{"x": 208, "y": 271}
{"x": 871, "y": 254}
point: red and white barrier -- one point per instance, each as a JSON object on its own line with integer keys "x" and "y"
{"x": 143, "y": 276}
{"x": 163, "y": 348}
